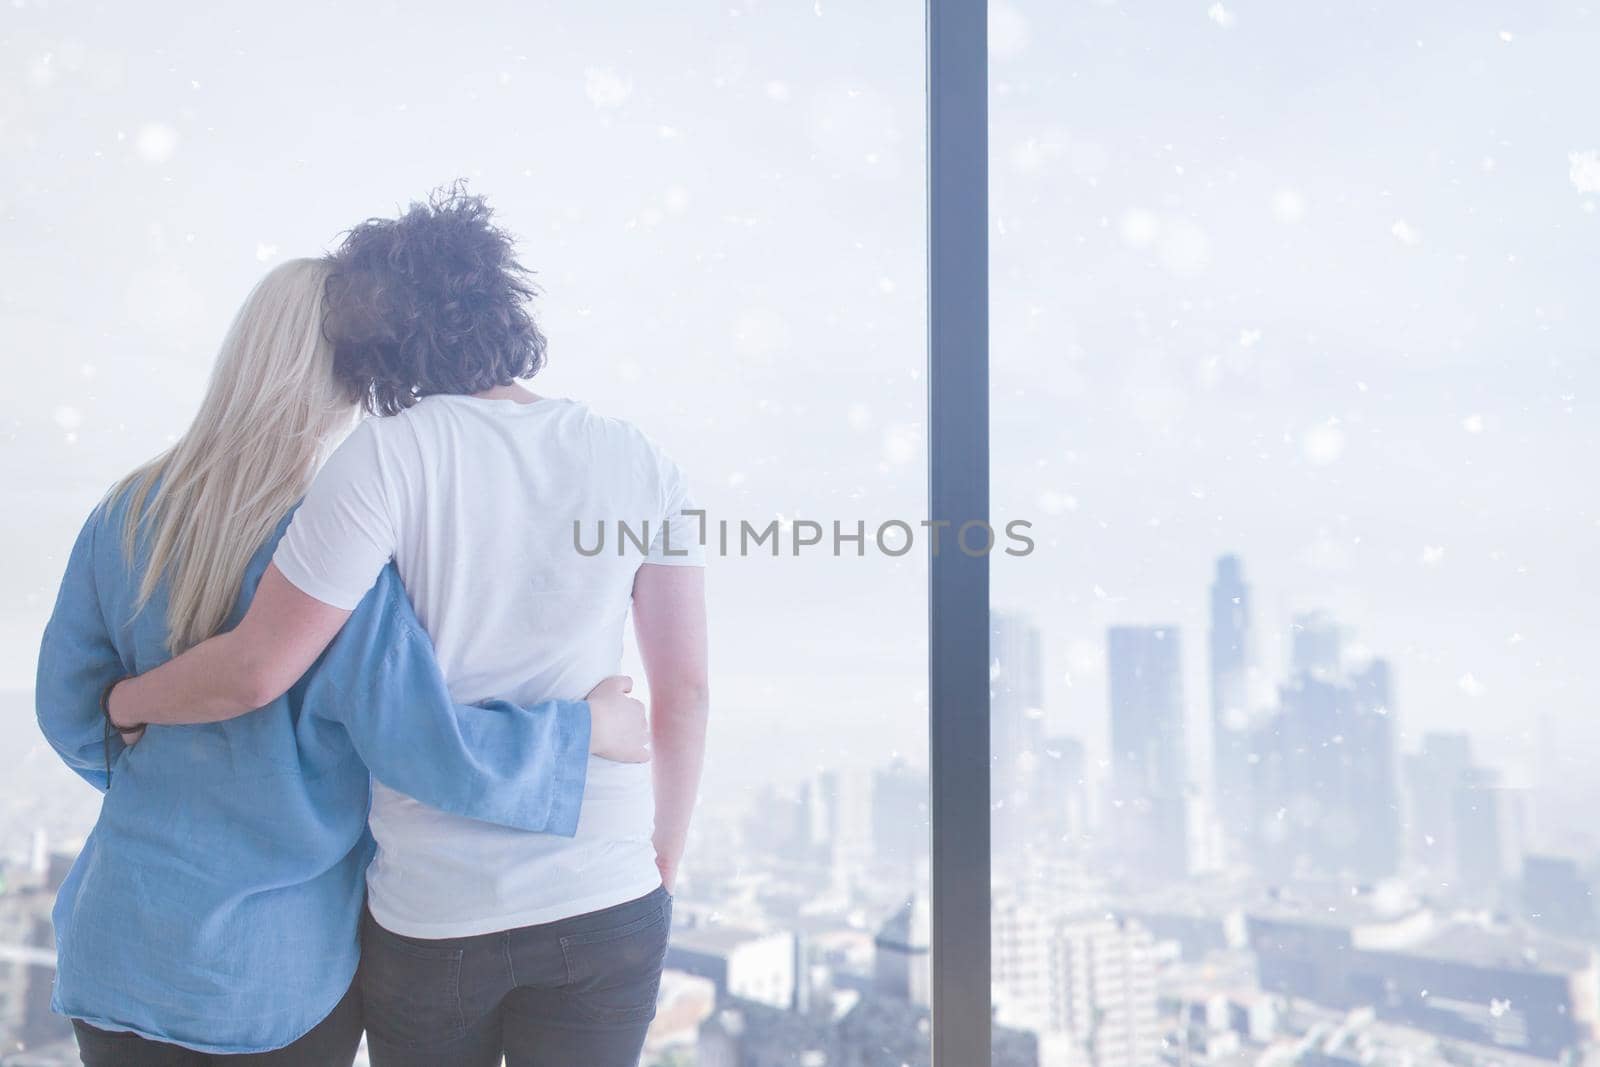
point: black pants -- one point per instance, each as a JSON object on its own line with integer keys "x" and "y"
{"x": 579, "y": 992}
{"x": 331, "y": 1043}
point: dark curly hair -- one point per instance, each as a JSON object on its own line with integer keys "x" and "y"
{"x": 431, "y": 302}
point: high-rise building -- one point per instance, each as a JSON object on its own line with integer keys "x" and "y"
{"x": 1230, "y": 696}
{"x": 1016, "y": 725}
{"x": 1083, "y": 980}
{"x": 899, "y": 821}
{"x": 1558, "y": 895}
{"x": 901, "y": 960}
{"x": 1433, "y": 775}
{"x": 1149, "y": 772}
{"x": 1019, "y": 967}
{"x": 1063, "y": 789}
{"x": 838, "y": 818}
{"x": 1103, "y": 989}
{"x": 1492, "y": 823}
{"x": 1316, "y": 646}
{"x": 1326, "y": 778}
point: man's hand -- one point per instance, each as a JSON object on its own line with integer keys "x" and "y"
{"x": 618, "y": 727}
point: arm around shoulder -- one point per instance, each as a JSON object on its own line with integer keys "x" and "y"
{"x": 245, "y": 668}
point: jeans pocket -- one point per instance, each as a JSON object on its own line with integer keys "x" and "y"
{"x": 614, "y": 972}
{"x": 410, "y": 989}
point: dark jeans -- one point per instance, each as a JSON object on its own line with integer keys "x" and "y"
{"x": 331, "y": 1043}
{"x": 580, "y": 991}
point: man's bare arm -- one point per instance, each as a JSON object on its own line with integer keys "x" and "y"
{"x": 669, "y": 619}
{"x": 253, "y": 664}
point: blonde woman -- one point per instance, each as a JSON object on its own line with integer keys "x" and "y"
{"x": 214, "y": 911}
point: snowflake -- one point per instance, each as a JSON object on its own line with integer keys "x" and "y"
{"x": 1185, "y": 249}
{"x": 1288, "y": 206}
{"x": 1220, "y": 15}
{"x": 1323, "y": 444}
{"x": 1405, "y": 233}
{"x": 606, "y": 88}
{"x": 1140, "y": 228}
{"x": 1585, "y": 170}
{"x": 155, "y": 142}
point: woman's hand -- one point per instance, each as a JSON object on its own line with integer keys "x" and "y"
{"x": 618, "y": 727}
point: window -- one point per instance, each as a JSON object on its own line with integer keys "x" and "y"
{"x": 725, "y": 207}
{"x": 1291, "y": 345}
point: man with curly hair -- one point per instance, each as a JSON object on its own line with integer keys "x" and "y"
{"x": 483, "y": 941}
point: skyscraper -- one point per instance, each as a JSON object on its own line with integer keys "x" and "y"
{"x": 1316, "y": 645}
{"x": 899, "y": 821}
{"x": 1063, "y": 788}
{"x": 1016, "y": 725}
{"x": 1149, "y": 771}
{"x": 1103, "y": 989}
{"x": 1326, "y": 778}
{"x": 1230, "y": 692}
{"x": 1492, "y": 823}
{"x": 1084, "y": 980}
{"x": 1432, "y": 777}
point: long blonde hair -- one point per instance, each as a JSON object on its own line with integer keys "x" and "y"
{"x": 271, "y": 413}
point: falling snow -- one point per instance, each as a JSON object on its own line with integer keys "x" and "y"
{"x": 1288, "y": 206}
{"x": 1323, "y": 444}
{"x": 1584, "y": 170}
{"x": 155, "y": 142}
{"x": 1405, "y": 233}
{"x": 605, "y": 88}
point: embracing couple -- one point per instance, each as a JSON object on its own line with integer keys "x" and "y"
{"x": 260, "y": 657}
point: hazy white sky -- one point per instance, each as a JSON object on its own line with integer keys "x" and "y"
{"x": 1310, "y": 282}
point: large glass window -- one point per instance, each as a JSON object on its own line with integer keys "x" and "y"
{"x": 724, "y": 203}
{"x": 1293, "y": 368}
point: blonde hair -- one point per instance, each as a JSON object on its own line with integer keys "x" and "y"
{"x": 271, "y": 413}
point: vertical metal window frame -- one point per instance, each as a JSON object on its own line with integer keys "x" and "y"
{"x": 958, "y": 493}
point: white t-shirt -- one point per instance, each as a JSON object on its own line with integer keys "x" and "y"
{"x": 476, "y": 502}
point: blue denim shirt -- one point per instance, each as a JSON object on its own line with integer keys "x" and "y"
{"x": 216, "y": 903}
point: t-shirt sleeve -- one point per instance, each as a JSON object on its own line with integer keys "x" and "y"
{"x": 679, "y": 533}
{"x": 344, "y": 532}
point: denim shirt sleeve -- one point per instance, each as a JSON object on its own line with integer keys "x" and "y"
{"x": 496, "y": 762}
{"x": 77, "y": 660}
